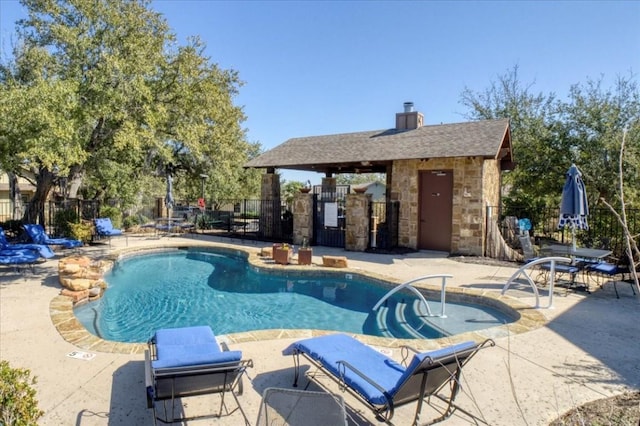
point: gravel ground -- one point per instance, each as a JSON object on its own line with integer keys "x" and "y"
{"x": 621, "y": 410}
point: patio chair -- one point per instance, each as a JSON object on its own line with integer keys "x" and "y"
{"x": 290, "y": 407}
{"x": 528, "y": 252}
{"x": 612, "y": 271}
{"x": 104, "y": 229}
{"x": 44, "y": 250}
{"x": 38, "y": 235}
{"x": 383, "y": 384}
{"x": 184, "y": 362}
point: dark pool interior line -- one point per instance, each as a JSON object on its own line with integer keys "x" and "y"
{"x": 176, "y": 288}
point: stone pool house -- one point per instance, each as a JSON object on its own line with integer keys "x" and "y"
{"x": 444, "y": 178}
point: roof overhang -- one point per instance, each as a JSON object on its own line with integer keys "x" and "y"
{"x": 342, "y": 167}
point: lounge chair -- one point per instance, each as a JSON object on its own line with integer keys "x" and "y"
{"x": 18, "y": 257}
{"x": 44, "y": 250}
{"x": 183, "y": 362}
{"x": 383, "y": 384}
{"x": 38, "y": 235}
{"x": 290, "y": 407}
{"x": 104, "y": 229}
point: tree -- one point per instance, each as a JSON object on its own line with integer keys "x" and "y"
{"x": 548, "y": 135}
{"x": 593, "y": 122}
{"x": 115, "y": 99}
{"x": 631, "y": 249}
{"x": 356, "y": 179}
{"x": 532, "y": 120}
{"x": 290, "y": 189}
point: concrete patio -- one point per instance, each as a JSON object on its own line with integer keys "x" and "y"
{"x": 587, "y": 349}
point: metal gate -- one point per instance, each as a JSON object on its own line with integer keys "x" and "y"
{"x": 383, "y": 224}
{"x": 329, "y": 222}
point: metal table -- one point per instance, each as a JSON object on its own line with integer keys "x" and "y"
{"x": 579, "y": 252}
{"x": 164, "y": 225}
{"x": 582, "y": 257}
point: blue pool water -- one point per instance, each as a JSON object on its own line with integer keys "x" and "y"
{"x": 182, "y": 288}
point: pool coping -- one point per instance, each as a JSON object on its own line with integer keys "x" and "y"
{"x": 72, "y": 330}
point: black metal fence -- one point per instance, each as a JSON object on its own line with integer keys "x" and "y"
{"x": 56, "y": 213}
{"x": 604, "y": 231}
{"x": 265, "y": 220}
{"x": 384, "y": 225}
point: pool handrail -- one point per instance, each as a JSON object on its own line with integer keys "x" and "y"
{"x": 552, "y": 276}
{"x": 418, "y": 294}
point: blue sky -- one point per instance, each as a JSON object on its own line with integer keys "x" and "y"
{"x": 324, "y": 67}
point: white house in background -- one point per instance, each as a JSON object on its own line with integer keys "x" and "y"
{"x": 377, "y": 190}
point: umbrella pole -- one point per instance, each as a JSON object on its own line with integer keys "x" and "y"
{"x": 573, "y": 237}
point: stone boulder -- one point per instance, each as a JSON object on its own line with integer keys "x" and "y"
{"x": 79, "y": 273}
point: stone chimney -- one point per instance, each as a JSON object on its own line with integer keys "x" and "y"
{"x": 409, "y": 119}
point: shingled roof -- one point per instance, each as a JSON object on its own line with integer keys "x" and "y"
{"x": 372, "y": 151}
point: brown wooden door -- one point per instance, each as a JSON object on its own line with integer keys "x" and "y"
{"x": 435, "y": 210}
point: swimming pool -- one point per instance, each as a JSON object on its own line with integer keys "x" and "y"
{"x": 180, "y": 288}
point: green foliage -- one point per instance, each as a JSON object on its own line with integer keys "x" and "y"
{"x": 100, "y": 91}
{"x": 548, "y": 135}
{"x": 357, "y": 179}
{"x": 113, "y": 213}
{"x": 288, "y": 190}
{"x": 593, "y": 122}
{"x": 129, "y": 222}
{"x": 18, "y": 403}
{"x": 82, "y": 231}
{"x": 63, "y": 221}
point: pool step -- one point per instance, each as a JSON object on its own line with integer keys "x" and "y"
{"x": 381, "y": 321}
{"x": 391, "y": 321}
{"x": 431, "y": 323}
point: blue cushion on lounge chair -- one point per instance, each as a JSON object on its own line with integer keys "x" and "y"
{"x": 384, "y": 371}
{"x": 39, "y": 236}
{"x": 202, "y": 354}
{"x": 104, "y": 227}
{"x": 184, "y": 335}
{"x": 180, "y": 347}
{"x": 44, "y": 250}
{"x": 18, "y": 257}
{"x": 330, "y": 349}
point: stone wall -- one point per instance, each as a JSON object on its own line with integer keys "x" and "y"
{"x": 302, "y": 218}
{"x": 271, "y": 210}
{"x": 476, "y": 182}
{"x": 357, "y": 222}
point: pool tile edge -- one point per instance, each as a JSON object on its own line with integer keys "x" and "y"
{"x": 72, "y": 331}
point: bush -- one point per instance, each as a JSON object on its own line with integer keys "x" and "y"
{"x": 112, "y": 213}
{"x": 63, "y": 220}
{"x": 82, "y": 232}
{"x": 18, "y": 403}
{"x": 131, "y": 221}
